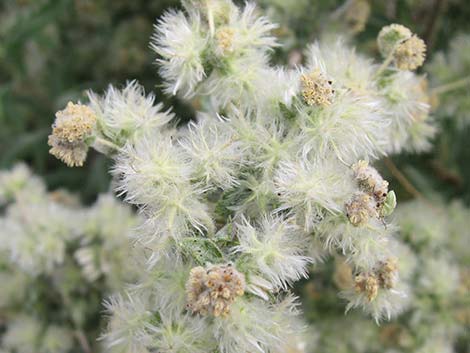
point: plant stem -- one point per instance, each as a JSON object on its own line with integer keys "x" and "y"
{"x": 83, "y": 341}
{"x": 108, "y": 143}
{"x": 387, "y": 61}
{"x": 452, "y": 86}
{"x": 402, "y": 179}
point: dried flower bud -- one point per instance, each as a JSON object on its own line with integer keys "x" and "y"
{"x": 367, "y": 284}
{"x": 388, "y": 274}
{"x": 410, "y": 54}
{"x": 211, "y": 291}
{"x": 72, "y": 127}
{"x": 371, "y": 181}
{"x": 361, "y": 208}
{"x": 316, "y": 89}
{"x": 390, "y": 37}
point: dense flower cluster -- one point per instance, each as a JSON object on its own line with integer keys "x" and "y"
{"x": 271, "y": 176}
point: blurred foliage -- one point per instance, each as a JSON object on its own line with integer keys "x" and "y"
{"x": 53, "y": 50}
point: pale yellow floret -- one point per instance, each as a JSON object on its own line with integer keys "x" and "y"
{"x": 71, "y": 128}
{"x": 367, "y": 284}
{"x": 410, "y": 54}
{"x": 224, "y": 37}
{"x": 317, "y": 89}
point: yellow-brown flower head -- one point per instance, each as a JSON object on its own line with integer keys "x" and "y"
{"x": 211, "y": 291}
{"x": 368, "y": 284}
{"x": 72, "y": 127}
{"x": 388, "y": 274}
{"x": 317, "y": 89}
{"x": 370, "y": 180}
{"x": 384, "y": 276}
{"x": 410, "y": 54}
{"x": 360, "y": 208}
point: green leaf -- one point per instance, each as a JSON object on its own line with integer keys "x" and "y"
{"x": 389, "y": 204}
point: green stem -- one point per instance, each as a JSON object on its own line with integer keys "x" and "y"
{"x": 107, "y": 143}
{"x": 387, "y": 62}
{"x": 452, "y": 86}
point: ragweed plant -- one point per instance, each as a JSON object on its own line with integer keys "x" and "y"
{"x": 58, "y": 262}
{"x": 274, "y": 173}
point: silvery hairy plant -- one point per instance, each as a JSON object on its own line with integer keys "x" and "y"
{"x": 58, "y": 261}
{"x": 274, "y": 174}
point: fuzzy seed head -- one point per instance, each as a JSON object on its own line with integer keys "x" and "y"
{"x": 367, "y": 284}
{"x": 211, "y": 291}
{"x": 71, "y": 128}
{"x": 410, "y": 54}
{"x": 360, "y": 208}
{"x": 317, "y": 89}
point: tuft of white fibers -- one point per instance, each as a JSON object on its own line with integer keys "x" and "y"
{"x": 164, "y": 284}
{"x": 351, "y": 128}
{"x": 256, "y": 326}
{"x": 267, "y": 142}
{"x": 386, "y": 305}
{"x": 309, "y": 188}
{"x": 363, "y": 246}
{"x": 237, "y": 82}
{"x": 181, "y": 334}
{"x": 128, "y": 326}
{"x": 420, "y": 136}
{"x": 149, "y": 167}
{"x": 276, "y": 249}
{"x": 127, "y": 114}
{"x": 177, "y": 212}
{"x": 406, "y": 102}
{"x": 345, "y": 67}
{"x": 278, "y": 86}
{"x": 180, "y": 42}
{"x": 215, "y": 152}
{"x": 247, "y": 31}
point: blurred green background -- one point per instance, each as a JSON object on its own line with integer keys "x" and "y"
{"x": 51, "y": 51}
